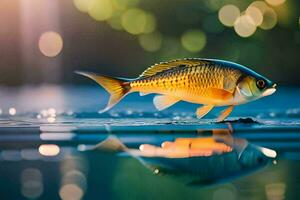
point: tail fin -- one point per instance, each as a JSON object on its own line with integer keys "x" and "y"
{"x": 111, "y": 144}
{"x": 117, "y": 87}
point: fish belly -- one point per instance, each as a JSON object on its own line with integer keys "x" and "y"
{"x": 201, "y": 97}
{"x": 197, "y": 97}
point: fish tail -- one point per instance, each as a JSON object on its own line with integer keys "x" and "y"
{"x": 116, "y": 87}
{"x": 111, "y": 144}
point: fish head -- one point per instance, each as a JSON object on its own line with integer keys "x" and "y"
{"x": 255, "y": 87}
{"x": 254, "y": 157}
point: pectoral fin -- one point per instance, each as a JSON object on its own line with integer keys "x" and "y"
{"x": 203, "y": 110}
{"x": 225, "y": 113}
{"x": 220, "y": 94}
{"x": 162, "y": 102}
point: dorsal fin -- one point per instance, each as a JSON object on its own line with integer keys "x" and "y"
{"x": 163, "y": 66}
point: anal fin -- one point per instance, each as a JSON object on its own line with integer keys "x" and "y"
{"x": 203, "y": 110}
{"x": 225, "y": 113}
{"x": 162, "y": 102}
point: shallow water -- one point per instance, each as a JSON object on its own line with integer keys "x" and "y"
{"x": 49, "y": 134}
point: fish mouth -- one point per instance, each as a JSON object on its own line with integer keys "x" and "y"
{"x": 269, "y": 91}
{"x": 268, "y": 152}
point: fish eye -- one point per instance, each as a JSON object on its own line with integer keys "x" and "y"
{"x": 261, "y": 84}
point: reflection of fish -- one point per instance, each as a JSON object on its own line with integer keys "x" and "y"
{"x": 201, "y": 81}
{"x": 198, "y": 161}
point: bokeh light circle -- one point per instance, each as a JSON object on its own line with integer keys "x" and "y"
{"x": 82, "y": 5}
{"x": 270, "y": 19}
{"x": 255, "y": 14}
{"x": 50, "y": 44}
{"x": 275, "y": 2}
{"x": 115, "y": 21}
{"x": 100, "y": 10}
{"x": 193, "y": 40}
{"x": 244, "y": 26}
{"x": 228, "y": 14}
{"x": 150, "y": 42}
{"x": 134, "y": 21}
{"x": 49, "y": 149}
{"x": 31, "y": 183}
{"x": 124, "y": 4}
{"x": 150, "y": 25}
{"x": 12, "y": 111}
{"x": 262, "y": 6}
{"x": 71, "y": 192}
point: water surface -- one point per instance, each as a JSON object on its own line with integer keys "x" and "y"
{"x": 49, "y": 134}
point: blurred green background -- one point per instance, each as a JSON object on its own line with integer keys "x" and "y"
{"x": 43, "y": 42}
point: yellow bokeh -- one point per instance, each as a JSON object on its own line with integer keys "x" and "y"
{"x": 275, "y": 2}
{"x": 228, "y": 14}
{"x": 150, "y": 25}
{"x": 255, "y": 14}
{"x": 244, "y": 26}
{"x": 134, "y": 21}
{"x": 193, "y": 40}
{"x": 100, "y": 10}
{"x": 262, "y": 6}
{"x": 115, "y": 21}
{"x": 285, "y": 15}
{"x": 270, "y": 19}
{"x": 269, "y": 15}
{"x": 82, "y": 5}
{"x": 124, "y": 4}
{"x": 150, "y": 42}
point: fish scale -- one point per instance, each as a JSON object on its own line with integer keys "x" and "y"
{"x": 197, "y": 77}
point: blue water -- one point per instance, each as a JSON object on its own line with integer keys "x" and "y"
{"x": 65, "y": 122}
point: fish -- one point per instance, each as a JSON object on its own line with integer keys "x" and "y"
{"x": 197, "y": 161}
{"x": 209, "y": 82}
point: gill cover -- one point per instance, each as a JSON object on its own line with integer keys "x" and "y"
{"x": 244, "y": 87}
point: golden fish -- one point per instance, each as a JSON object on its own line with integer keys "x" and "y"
{"x": 209, "y": 82}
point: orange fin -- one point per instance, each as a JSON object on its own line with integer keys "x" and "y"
{"x": 117, "y": 87}
{"x": 220, "y": 94}
{"x": 162, "y": 102}
{"x": 225, "y": 113}
{"x": 203, "y": 110}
